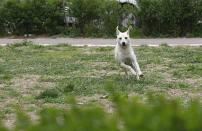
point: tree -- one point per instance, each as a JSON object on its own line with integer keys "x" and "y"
{"x": 86, "y": 11}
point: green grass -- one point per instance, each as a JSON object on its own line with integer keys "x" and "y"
{"x": 49, "y": 93}
{"x": 51, "y": 74}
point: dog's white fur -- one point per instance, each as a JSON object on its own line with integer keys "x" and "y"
{"x": 124, "y": 54}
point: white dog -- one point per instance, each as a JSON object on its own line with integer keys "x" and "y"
{"x": 125, "y": 55}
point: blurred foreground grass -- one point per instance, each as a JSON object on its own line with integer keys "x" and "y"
{"x": 154, "y": 114}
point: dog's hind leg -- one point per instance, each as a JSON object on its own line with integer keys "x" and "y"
{"x": 125, "y": 71}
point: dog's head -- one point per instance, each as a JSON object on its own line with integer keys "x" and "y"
{"x": 123, "y": 38}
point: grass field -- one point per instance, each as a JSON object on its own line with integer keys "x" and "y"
{"x": 33, "y": 76}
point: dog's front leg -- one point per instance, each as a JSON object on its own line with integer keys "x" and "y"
{"x": 137, "y": 67}
{"x": 129, "y": 68}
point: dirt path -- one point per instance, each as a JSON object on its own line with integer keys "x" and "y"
{"x": 106, "y": 42}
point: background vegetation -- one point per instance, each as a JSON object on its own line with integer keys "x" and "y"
{"x": 31, "y": 17}
{"x": 98, "y": 18}
{"x": 171, "y": 17}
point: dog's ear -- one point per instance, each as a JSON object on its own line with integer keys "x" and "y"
{"x": 117, "y": 30}
{"x": 128, "y": 31}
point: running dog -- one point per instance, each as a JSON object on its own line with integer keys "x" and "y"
{"x": 124, "y": 54}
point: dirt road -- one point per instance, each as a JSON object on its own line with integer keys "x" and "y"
{"x": 106, "y": 42}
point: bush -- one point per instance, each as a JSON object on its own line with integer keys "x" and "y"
{"x": 49, "y": 93}
{"x": 113, "y": 17}
{"x": 32, "y": 17}
{"x": 99, "y": 18}
{"x": 155, "y": 114}
{"x": 87, "y": 13}
{"x": 170, "y": 17}
{"x": 1, "y": 19}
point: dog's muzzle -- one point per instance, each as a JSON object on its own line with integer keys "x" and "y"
{"x": 123, "y": 43}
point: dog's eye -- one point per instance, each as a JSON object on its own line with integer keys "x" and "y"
{"x": 120, "y": 38}
{"x": 126, "y": 38}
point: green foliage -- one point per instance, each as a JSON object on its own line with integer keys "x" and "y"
{"x": 3, "y": 128}
{"x": 170, "y": 17}
{"x": 23, "y": 121}
{"x": 87, "y": 12}
{"x": 65, "y": 86}
{"x": 129, "y": 114}
{"x": 110, "y": 18}
{"x": 32, "y": 16}
{"x": 49, "y": 93}
{"x": 94, "y": 17}
{"x": 99, "y": 18}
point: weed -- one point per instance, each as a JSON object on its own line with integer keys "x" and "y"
{"x": 49, "y": 93}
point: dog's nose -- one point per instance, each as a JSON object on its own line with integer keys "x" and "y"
{"x": 123, "y": 43}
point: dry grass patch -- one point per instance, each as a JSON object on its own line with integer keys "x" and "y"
{"x": 96, "y": 98}
{"x": 25, "y": 84}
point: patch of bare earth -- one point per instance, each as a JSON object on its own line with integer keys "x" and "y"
{"x": 27, "y": 86}
{"x": 9, "y": 121}
{"x": 176, "y": 92}
{"x": 30, "y": 85}
{"x": 195, "y": 82}
{"x": 185, "y": 95}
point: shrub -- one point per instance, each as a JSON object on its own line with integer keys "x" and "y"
{"x": 49, "y": 93}
{"x": 113, "y": 16}
{"x": 87, "y": 13}
{"x": 1, "y": 19}
{"x": 98, "y": 18}
{"x": 155, "y": 114}
{"x": 65, "y": 87}
{"x": 32, "y": 16}
{"x": 170, "y": 17}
